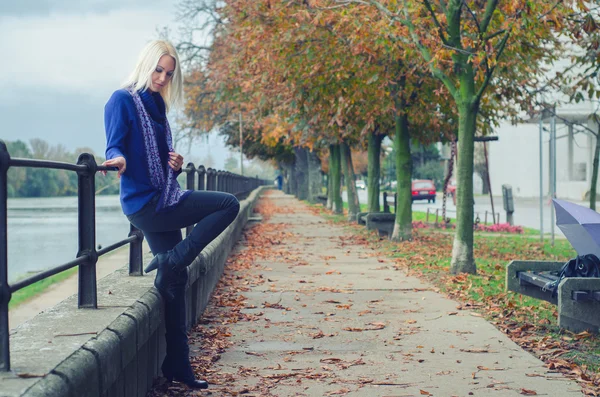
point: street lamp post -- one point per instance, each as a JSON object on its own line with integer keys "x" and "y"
{"x": 241, "y": 148}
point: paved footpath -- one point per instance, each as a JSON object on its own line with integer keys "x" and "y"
{"x": 333, "y": 320}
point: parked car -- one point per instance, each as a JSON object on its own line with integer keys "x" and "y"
{"x": 423, "y": 189}
{"x": 360, "y": 184}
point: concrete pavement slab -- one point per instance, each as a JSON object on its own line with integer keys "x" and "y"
{"x": 332, "y": 318}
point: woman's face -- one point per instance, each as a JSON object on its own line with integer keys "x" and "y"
{"x": 163, "y": 73}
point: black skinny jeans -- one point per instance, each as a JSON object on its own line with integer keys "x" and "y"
{"x": 212, "y": 212}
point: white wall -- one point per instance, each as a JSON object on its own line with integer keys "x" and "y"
{"x": 514, "y": 160}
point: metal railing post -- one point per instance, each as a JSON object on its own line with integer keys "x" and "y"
{"x": 190, "y": 171}
{"x": 201, "y": 178}
{"x": 210, "y": 179}
{"x": 220, "y": 181}
{"x": 5, "y": 294}
{"x": 87, "y": 296}
{"x": 191, "y": 174}
{"x": 136, "y": 255}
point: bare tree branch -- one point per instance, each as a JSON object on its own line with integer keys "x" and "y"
{"x": 490, "y": 71}
{"x": 437, "y": 22}
{"x": 474, "y": 17}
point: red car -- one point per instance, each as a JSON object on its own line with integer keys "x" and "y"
{"x": 423, "y": 189}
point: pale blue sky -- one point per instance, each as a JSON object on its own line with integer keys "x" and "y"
{"x": 64, "y": 58}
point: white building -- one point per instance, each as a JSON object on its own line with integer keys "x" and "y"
{"x": 515, "y": 158}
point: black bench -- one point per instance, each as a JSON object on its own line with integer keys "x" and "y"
{"x": 321, "y": 199}
{"x": 383, "y": 222}
{"x": 577, "y": 298}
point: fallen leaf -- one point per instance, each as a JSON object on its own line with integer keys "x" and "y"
{"x": 351, "y": 329}
{"x": 338, "y": 392}
{"x": 475, "y": 350}
{"x": 27, "y": 375}
{"x": 254, "y": 354}
{"x": 528, "y": 392}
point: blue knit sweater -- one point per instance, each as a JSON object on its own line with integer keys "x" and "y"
{"x": 124, "y": 138}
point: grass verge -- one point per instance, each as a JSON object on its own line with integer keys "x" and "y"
{"x": 34, "y": 289}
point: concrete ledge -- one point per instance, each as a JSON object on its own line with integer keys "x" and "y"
{"x": 574, "y": 315}
{"x": 361, "y": 218}
{"x": 117, "y": 349}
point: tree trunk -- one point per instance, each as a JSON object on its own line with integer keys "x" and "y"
{"x": 349, "y": 177}
{"x": 293, "y": 186}
{"x": 403, "y": 223}
{"x": 314, "y": 176}
{"x": 595, "y": 174}
{"x": 329, "y": 179}
{"x": 335, "y": 173}
{"x": 287, "y": 176}
{"x": 374, "y": 171}
{"x": 462, "y": 250}
{"x": 301, "y": 169}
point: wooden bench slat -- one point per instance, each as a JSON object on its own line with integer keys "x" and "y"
{"x": 541, "y": 280}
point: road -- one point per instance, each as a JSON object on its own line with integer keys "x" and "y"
{"x": 527, "y": 210}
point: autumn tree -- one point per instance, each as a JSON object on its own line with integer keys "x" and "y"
{"x": 474, "y": 47}
{"x": 579, "y": 80}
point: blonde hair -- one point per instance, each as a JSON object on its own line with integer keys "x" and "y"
{"x": 141, "y": 77}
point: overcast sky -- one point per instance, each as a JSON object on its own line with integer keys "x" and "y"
{"x": 64, "y": 58}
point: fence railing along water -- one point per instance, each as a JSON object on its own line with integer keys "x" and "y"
{"x": 87, "y": 255}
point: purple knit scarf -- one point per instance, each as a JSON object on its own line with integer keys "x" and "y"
{"x": 170, "y": 192}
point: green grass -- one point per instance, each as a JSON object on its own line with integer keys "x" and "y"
{"x": 34, "y": 289}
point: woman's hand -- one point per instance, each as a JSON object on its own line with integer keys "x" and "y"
{"x": 118, "y": 162}
{"x": 175, "y": 161}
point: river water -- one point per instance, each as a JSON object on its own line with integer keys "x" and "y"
{"x": 42, "y": 232}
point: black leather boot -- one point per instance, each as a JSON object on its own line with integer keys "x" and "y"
{"x": 186, "y": 377}
{"x": 165, "y": 275}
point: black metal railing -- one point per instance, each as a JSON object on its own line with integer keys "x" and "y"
{"x": 87, "y": 255}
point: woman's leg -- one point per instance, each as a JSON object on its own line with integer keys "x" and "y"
{"x": 212, "y": 212}
{"x": 176, "y": 364}
{"x": 216, "y": 212}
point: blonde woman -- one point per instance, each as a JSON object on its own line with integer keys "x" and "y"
{"x": 139, "y": 145}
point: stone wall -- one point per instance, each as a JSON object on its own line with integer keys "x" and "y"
{"x": 115, "y": 350}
